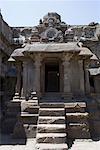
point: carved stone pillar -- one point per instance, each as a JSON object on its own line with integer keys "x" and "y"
{"x": 81, "y": 74}
{"x": 31, "y": 76}
{"x": 87, "y": 82}
{"x": 18, "y": 83}
{"x": 67, "y": 94}
{"x": 67, "y": 88}
{"x": 25, "y": 79}
{"x": 37, "y": 75}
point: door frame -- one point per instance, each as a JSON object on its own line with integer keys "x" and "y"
{"x": 52, "y": 60}
{"x": 52, "y": 67}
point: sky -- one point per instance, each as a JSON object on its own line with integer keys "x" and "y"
{"x": 29, "y": 12}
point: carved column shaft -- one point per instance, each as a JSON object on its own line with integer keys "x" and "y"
{"x": 18, "y": 83}
{"x": 37, "y": 76}
{"x": 67, "y": 87}
{"x": 25, "y": 78}
{"x": 87, "y": 82}
{"x": 81, "y": 72}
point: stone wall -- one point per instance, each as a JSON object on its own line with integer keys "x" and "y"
{"x": 6, "y": 48}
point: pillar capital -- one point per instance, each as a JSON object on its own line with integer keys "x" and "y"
{"x": 37, "y": 60}
{"x": 66, "y": 57}
{"x": 66, "y": 63}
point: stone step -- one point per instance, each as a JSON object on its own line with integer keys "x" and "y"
{"x": 77, "y": 117}
{"x": 29, "y": 118}
{"x": 75, "y": 107}
{"x": 52, "y": 105}
{"x": 51, "y": 120}
{"x": 77, "y": 114}
{"x": 51, "y": 112}
{"x": 33, "y": 101}
{"x": 25, "y": 114}
{"x": 73, "y": 110}
{"x": 28, "y": 104}
{"x": 46, "y": 146}
{"x": 49, "y": 128}
{"x": 78, "y": 130}
{"x": 74, "y": 125}
{"x": 51, "y": 137}
{"x": 32, "y": 109}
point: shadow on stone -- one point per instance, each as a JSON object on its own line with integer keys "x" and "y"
{"x": 11, "y": 126}
{"x": 9, "y": 140}
{"x": 70, "y": 142}
{"x": 94, "y": 119}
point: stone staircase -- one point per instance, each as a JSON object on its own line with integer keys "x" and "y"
{"x": 51, "y": 123}
{"x": 77, "y": 121}
{"x": 27, "y": 121}
{"x": 51, "y": 129}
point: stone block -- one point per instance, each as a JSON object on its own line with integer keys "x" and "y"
{"x": 77, "y": 117}
{"x": 51, "y": 120}
{"x": 48, "y": 146}
{"x": 28, "y": 118}
{"x": 30, "y": 130}
{"x": 79, "y": 131}
{"x": 51, "y": 138}
{"x": 7, "y": 125}
{"x": 75, "y": 107}
{"x": 52, "y": 105}
{"x": 96, "y": 126}
{"x": 19, "y": 131}
{"x": 51, "y": 128}
{"x": 51, "y": 112}
{"x": 32, "y": 109}
{"x": 14, "y": 104}
{"x": 24, "y": 130}
{"x": 12, "y": 114}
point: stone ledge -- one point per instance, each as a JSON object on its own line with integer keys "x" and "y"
{"x": 25, "y": 114}
{"x": 39, "y": 135}
{"x": 52, "y": 139}
{"x": 49, "y": 128}
{"x": 77, "y": 114}
{"x": 71, "y": 105}
{"x": 51, "y": 120}
{"x": 48, "y": 146}
{"x": 52, "y": 105}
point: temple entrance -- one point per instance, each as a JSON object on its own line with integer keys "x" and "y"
{"x": 52, "y": 77}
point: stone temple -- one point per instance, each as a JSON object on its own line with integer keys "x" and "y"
{"x": 57, "y": 94}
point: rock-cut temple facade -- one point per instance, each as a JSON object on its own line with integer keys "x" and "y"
{"x": 57, "y": 57}
{"x": 57, "y": 91}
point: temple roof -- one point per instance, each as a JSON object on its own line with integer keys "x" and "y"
{"x": 52, "y": 47}
{"x": 85, "y": 51}
{"x": 17, "y": 52}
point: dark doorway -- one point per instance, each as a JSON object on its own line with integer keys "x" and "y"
{"x": 52, "y": 77}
